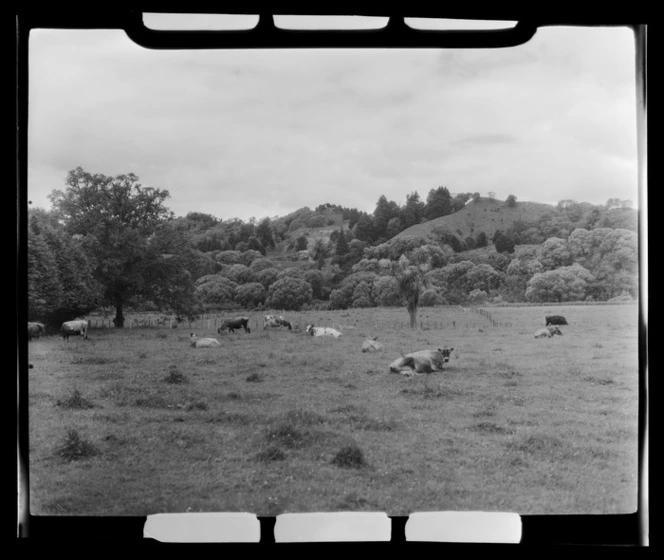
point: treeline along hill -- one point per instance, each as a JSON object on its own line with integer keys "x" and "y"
{"x": 111, "y": 244}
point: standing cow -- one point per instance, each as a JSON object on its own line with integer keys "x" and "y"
{"x": 78, "y": 327}
{"x": 35, "y": 330}
{"x": 554, "y": 320}
{"x": 236, "y": 323}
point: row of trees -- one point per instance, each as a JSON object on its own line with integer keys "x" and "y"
{"x": 110, "y": 242}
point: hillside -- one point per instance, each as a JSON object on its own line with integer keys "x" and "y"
{"x": 483, "y": 214}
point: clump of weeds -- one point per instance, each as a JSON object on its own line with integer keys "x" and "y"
{"x": 75, "y": 400}
{"x": 349, "y": 457}
{"x": 75, "y": 448}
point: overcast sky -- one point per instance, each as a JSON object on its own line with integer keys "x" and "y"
{"x": 262, "y": 133}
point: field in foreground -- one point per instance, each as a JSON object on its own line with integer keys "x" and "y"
{"x": 134, "y": 422}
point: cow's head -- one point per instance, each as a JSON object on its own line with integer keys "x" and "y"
{"x": 555, "y": 330}
{"x": 310, "y": 329}
{"x": 446, "y": 353}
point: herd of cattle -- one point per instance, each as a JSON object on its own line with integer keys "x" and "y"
{"x": 421, "y": 361}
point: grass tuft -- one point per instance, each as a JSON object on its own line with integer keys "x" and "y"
{"x": 255, "y": 378}
{"x": 198, "y": 405}
{"x": 270, "y": 454}
{"x": 75, "y": 448}
{"x": 174, "y": 376}
{"x": 490, "y": 428}
{"x": 75, "y": 400}
{"x": 349, "y": 457}
{"x": 287, "y": 435}
{"x": 306, "y": 417}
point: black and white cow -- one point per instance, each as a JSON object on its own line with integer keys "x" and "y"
{"x": 555, "y": 320}
{"x": 35, "y": 330}
{"x": 236, "y": 323}
{"x": 76, "y": 327}
{"x": 548, "y": 332}
{"x": 422, "y": 361}
{"x": 276, "y": 322}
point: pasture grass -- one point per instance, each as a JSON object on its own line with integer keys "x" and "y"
{"x": 277, "y": 421}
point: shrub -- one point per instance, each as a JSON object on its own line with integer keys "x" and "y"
{"x": 75, "y": 448}
{"x": 198, "y": 405}
{"x": 350, "y": 457}
{"x": 214, "y": 288}
{"x": 174, "y": 376}
{"x": 289, "y": 294}
{"x": 287, "y": 435}
{"x": 250, "y": 295}
{"x": 75, "y": 400}
{"x": 477, "y": 296}
{"x": 272, "y": 453}
{"x": 429, "y": 298}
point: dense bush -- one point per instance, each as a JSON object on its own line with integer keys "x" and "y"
{"x": 430, "y": 297}
{"x": 289, "y": 293}
{"x": 251, "y": 295}
{"x": 216, "y": 289}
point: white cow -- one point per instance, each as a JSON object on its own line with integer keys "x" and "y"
{"x": 79, "y": 326}
{"x": 547, "y": 332}
{"x": 203, "y": 342}
{"x": 422, "y": 361}
{"x": 322, "y": 331}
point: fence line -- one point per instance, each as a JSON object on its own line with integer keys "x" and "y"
{"x": 213, "y": 320}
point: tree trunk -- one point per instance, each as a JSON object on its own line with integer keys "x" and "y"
{"x": 412, "y": 312}
{"x": 119, "y": 317}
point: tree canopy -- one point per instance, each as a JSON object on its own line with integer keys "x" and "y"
{"x": 122, "y": 224}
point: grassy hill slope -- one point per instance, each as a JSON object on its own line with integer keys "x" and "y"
{"x": 483, "y": 214}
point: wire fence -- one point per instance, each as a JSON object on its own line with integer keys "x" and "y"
{"x": 456, "y": 316}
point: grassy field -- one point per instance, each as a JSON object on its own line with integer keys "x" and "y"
{"x": 134, "y": 422}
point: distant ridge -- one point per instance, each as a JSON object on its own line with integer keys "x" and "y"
{"x": 483, "y": 214}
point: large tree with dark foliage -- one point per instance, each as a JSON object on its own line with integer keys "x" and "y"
{"x": 122, "y": 224}
{"x": 439, "y": 203}
{"x": 61, "y": 285}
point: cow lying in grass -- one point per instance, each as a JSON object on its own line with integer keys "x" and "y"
{"x": 322, "y": 331}
{"x": 276, "y": 322}
{"x": 79, "y": 326}
{"x": 203, "y": 342}
{"x": 422, "y": 361}
{"x": 236, "y": 323}
{"x": 547, "y": 332}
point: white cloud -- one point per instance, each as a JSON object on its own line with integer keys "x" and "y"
{"x": 261, "y": 133}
